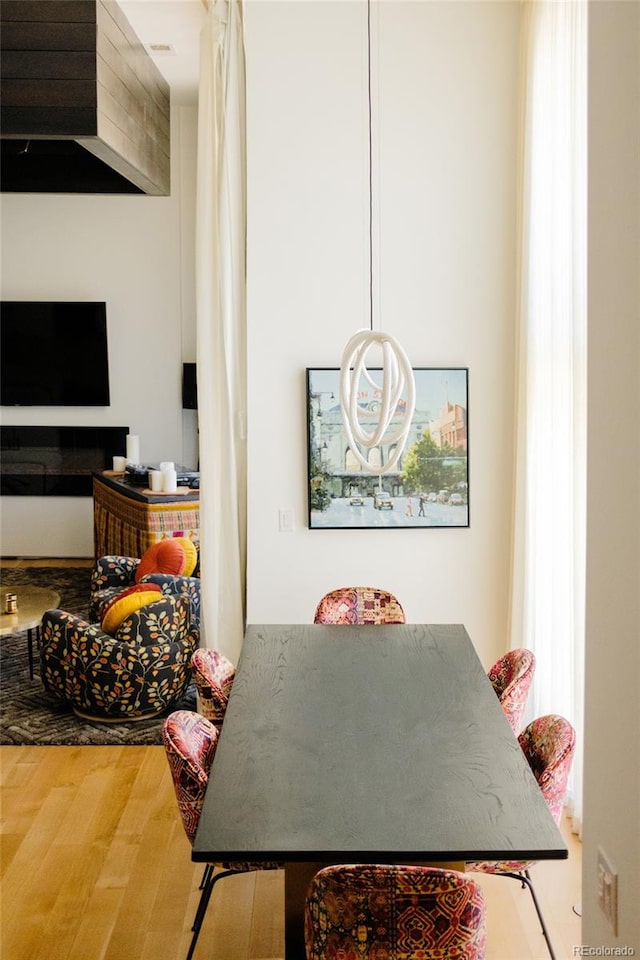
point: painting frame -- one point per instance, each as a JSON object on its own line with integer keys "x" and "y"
{"x": 429, "y": 487}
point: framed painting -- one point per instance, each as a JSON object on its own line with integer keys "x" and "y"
{"x": 429, "y": 485}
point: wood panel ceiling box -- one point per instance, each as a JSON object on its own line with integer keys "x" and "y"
{"x": 83, "y": 107}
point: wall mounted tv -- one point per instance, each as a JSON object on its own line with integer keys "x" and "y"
{"x": 53, "y": 353}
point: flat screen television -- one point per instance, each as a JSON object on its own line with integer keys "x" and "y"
{"x": 53, "y": 353}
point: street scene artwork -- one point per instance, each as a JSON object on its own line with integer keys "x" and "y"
{"x": 428, "y": 486}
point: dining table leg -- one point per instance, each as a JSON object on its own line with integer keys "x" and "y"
{"x": 297, "y": 877}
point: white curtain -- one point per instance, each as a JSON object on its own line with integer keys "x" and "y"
{"x": 549, "y": 543}
{"x": 221, "y": 326}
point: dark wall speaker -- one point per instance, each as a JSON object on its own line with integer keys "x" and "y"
{"x": 189, "y": 387}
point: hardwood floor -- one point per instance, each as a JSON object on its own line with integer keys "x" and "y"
{"x": 96, "y": 866}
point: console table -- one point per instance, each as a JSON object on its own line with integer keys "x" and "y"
{"x": 128, "y": 519}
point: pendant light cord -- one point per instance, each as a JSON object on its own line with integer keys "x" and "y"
{"x": 397, "y": 375}
{"x": 370, "y": 124}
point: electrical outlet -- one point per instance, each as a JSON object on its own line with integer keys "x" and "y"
{"x": 608, "y": 890}
{"x": 285, "y": 520}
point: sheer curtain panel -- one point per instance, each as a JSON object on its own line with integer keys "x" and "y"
{"x": 221, "y": 326}
{"x": 549, "y": 542}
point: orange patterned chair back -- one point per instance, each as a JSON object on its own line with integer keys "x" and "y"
{"x": 366, "y": 910}
{"x": 548, "y": 743}
{"x": 213, "y": 676}
{"x": 190, "y": 743}
{"x": 511, "y": 678}
{"x": 359, "y": 605}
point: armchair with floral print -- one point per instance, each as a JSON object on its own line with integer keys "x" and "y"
{"x": 139, "y": 671}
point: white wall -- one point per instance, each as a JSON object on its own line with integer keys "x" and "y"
{"x": 612, "y": 727}
{"x": 445, "y": 145}
{"x": 135, "y": 253}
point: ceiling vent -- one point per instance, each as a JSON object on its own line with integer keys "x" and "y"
{"x": 83, "y": 108}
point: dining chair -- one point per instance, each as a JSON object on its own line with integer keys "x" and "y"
{"x": 548, "y": 743}
{"x": 359, "y": 605}
{"x": 190, "y": 742}
{"x": 397, "y": 912}
{"x": 511, "y": 677}
{"x": 213, "y": 676}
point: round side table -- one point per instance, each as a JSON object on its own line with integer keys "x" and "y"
{"x": 33, "y": 602}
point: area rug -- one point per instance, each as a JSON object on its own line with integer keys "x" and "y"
{"x": 30, "y": 715}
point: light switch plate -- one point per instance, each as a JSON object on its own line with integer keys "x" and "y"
{"x": 285, "y": 520}
{"x": 608, "y": 890}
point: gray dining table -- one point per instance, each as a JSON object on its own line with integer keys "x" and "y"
{"x": 368, "y": 744}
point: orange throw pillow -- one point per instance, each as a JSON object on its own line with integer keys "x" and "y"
{"x": 130, "y": 600}
{"x": 191, "y": 555}
{"x": 167, "y": 556}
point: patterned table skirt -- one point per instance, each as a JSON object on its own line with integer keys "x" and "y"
{"x": 126, "y": 527}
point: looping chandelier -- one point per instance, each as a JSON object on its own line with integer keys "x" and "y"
{"x": 398, "y": 382}
{"x": 396, "y": 376}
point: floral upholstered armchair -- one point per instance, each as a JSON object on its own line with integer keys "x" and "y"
{"x": 121, "y": 669}
{"x": 111, "y": 575}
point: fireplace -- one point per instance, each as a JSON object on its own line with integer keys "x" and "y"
{"x": 56, "y": 461}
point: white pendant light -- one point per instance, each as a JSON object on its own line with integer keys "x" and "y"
{"x": 397, "y": 378}
{"x": 397, "y": 374}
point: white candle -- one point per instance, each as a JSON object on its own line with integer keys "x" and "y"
{"x": 133, "y": 448}
{"x": 169, "y": 481}
{"x": 155, "y": 480}
{"x": 119, "y": 464}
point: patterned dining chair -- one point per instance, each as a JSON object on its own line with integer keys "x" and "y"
{"x": 190, "y": 742}
{"x": 359, "y": 605}
{"x": 548, "y": 743}
{"x": 373, "y": 911}
{"x": 213, "y": 676}
{"x": 511, "y": 677}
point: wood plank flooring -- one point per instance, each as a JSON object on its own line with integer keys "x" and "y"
{"x": 96, "y": 866}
